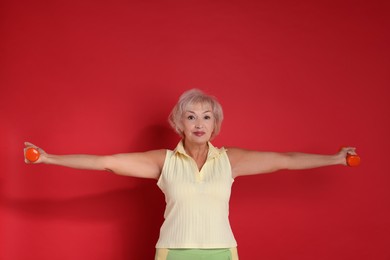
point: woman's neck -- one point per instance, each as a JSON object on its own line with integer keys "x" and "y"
{"x": 198, "y": 152}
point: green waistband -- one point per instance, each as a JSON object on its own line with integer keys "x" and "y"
{"x": 200, "y": 251}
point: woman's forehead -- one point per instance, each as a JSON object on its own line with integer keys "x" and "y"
{"x": 198, "y": 107}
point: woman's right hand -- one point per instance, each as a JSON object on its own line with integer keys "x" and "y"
{"x": 42, "y": 153}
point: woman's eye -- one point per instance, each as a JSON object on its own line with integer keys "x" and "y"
{"x": 207, "y": 117}
{"x": 191, "y": 117}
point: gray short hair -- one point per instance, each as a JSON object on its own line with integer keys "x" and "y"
{"x": 190, "y": 97}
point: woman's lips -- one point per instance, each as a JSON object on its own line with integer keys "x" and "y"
{"x": 199, "y": 133}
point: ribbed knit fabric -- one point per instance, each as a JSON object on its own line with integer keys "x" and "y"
{"x": 197, "y": 210}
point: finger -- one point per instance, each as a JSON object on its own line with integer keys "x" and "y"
{"x": 28, "y": 144}
{"x": 349, "y": 150}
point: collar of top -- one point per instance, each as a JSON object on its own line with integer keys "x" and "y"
{"x": 213, "y": 151}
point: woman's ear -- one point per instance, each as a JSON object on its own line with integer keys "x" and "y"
{"x": 178, "y": 130}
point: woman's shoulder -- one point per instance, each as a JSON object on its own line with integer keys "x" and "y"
{"x": 235, "y": 150}
{"x": 157, "y": 156}
{"x": 235, "y": 153}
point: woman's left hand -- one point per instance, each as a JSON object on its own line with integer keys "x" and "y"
{"x": 344, "y": 152}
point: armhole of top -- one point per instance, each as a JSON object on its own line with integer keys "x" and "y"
{"x": 167, "y": 155}
{"x": 228, "y": 161}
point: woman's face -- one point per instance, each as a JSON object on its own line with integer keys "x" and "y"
{"x": 198, "y": 123}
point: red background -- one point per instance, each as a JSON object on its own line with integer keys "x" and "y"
{"x": 101, "y": 77}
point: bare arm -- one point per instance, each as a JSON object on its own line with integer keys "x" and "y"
{"x": 246, "y": 162}
{"x": 143, "y": 165}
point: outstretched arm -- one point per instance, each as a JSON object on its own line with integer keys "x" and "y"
{"x": 246, "y": 162}
{"x": 143, "y": 165}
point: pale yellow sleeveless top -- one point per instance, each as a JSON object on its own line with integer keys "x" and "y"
{"x": 197, "y": 202}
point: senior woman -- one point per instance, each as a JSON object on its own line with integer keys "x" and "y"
{"x": 196, "y": 178}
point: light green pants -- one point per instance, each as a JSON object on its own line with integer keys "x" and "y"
{"x": 196, "y": 254}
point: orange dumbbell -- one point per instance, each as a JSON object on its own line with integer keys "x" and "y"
{"x": 32, "y": 154}
{"x": 353, "y": 160}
